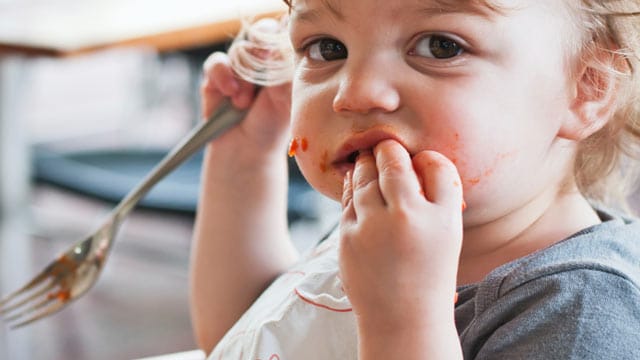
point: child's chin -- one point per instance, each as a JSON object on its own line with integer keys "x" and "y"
{"x": 332, "y": 192}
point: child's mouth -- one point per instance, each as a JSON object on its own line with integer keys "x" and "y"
{"x": 351, "y": 159}
{"x": 348, "y": 162}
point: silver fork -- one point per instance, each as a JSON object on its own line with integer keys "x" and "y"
{"x": 74, "y": 272}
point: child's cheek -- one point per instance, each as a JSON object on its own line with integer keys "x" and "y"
{"x": 474, "y": 164}
{"x": 452, "y": 147}
{"x": 314, "y": 164}
{"x": 300, "y": 144}
{"x": 323, "y": 164}
{"x": 482, "y": 176}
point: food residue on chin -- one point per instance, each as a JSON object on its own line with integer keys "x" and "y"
{"x": 297, "y": 143}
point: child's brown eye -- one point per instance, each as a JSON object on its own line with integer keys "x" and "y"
{"x": 327, "y": 50}
{"x": 438, "y": 47}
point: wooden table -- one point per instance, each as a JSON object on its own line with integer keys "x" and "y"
{"x": 66, "y": 28}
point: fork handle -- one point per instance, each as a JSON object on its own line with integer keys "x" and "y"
{"x": 221, "y": 120}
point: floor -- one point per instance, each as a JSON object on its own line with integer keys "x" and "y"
{"x": 139, "y": 307}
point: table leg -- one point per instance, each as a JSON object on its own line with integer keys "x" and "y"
{"x": 14, "y": 143}
{"x": 15, "y": 244}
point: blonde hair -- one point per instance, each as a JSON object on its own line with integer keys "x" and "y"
{"x": 603, "y": 168}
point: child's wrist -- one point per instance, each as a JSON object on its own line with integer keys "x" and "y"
{"x": 388, "y": 328}
{"x": 439, "y": 339}
{"x": 428, "y": 317}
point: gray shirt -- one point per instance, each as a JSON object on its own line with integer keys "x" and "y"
{"x": 577, "y": 299}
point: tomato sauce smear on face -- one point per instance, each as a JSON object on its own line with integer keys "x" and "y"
{"x": 298, "y": 143}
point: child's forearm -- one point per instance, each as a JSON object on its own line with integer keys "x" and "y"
{"x": 240, "y": 238}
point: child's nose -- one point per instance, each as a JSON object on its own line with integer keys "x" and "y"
{"x": 366, "y": 87}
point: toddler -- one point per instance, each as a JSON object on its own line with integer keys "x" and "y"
{"x": 477, "y": 149}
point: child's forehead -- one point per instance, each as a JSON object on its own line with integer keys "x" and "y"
{"x": 482, "y": 6}
{"x": 457, "y": 5}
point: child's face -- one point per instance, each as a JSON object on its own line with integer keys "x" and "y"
{"x": 488, "y": 90}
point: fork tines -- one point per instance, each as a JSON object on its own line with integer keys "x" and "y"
{"x": 15, "y": 307}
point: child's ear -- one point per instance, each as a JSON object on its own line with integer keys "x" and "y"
{"x": 594, "y": 96}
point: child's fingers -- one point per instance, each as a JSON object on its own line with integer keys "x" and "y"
{"x": 348, "y": 213}
{"x": 398, "y": 180}
{"x": 219, "y": 75}
{"x": 440, "y": 178}
{"x": 210, "y": 98}
{"x": 219, "y": 81}
{"x": 212, "y": 90}
{"x": 347, "y": 190}
{"x": 366, "y": 190}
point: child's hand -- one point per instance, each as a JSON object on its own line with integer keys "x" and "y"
{"x": 242, "y": 208}
{"x": 401, "y": 234}
{"x": 266, "y": 125}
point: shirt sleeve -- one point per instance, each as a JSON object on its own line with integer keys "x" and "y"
{"x": 578, "y": 314}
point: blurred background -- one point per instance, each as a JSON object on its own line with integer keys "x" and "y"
{"x": 92, "y": 94}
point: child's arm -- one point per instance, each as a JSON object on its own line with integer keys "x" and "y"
{"x": 240, "y": 239}
{"x": 401, "y": 233}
